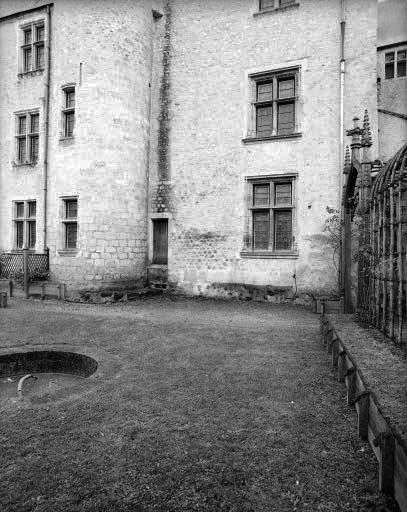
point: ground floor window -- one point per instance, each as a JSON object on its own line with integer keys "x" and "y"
{"x": 160, "y": 241}
{"x": 24, "y": 224}
{"x": 70, "y": 223}
{"x": 270, "y": 215}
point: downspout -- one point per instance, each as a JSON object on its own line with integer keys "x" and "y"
{"x": 46, "y": 124}
{"x": 341, "y": 140}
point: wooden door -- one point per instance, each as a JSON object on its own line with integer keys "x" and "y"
{"x": 160, "y": 241}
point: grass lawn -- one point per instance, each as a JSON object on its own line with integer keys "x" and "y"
{"x": 197, "y": 405}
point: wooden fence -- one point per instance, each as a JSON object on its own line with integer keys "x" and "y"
{"x": 12, "y": 265}
{"x": 388, "y": 447}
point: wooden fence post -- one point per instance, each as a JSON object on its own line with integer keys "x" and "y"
{"x": 341, "y": 366}
{"x": 335, "y": 353}
{"x": 26, "y": 272}
{"x": 3, "y": 299}
{"x": 386, "y": 463}
{"x": 350, "y": 379}
{"x": 363, "y": 401}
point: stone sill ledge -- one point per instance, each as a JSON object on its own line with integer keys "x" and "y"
{"x": 34, "y": 72}
{"x": 269, "y": 255}
{"x": 68, "y": 253}
{"x": 248, "y": 140}
{"x": 27, "y": 164}
{"x": 277, "y": 9}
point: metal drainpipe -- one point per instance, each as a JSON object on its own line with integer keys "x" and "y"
{"x": 341, "y": 136}
{"x": 46, "y": 124}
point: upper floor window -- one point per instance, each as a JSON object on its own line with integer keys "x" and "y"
{"x": 395, "y": 63}
{"x": 275, "y": 4}
{"x": 32, "y": 48}
{"x": 27, "y": 137}
{"x": 68, "y": 111}
{"x": 274, "y": 104}
{"x": 24, "y": 220}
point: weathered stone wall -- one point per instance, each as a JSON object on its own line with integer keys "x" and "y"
{"x": 392, "y": 97}
{"x": 105, "y": 49}
{"x": 214, "y": 47}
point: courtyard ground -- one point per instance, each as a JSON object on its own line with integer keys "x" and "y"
{"x": 197, "y": 405}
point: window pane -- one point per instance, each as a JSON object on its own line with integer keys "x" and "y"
{"x": 261, "y": 195}
{"x": 389, "y": 57}
{"x": 22, "y": 125}
{"x": 35, "y": 123}
{"x": 69, "y": 124}
{"x": 70, "y": 99}
{"x": 71, "y": 233}
{"x": 261, "y": 230}
{"x": 39, "y": 33}
{"x": 286, "y": 88}
{"x": 285, "y": 118}
{"x": 21, "y": 150}
{"x": 401, "y": 55}
{"x": 32, "y": 209}
{"x": 40, "y": 60}
{"x": 266, "y": 4}
{"x": 32, "y": 234}
{"x": 265, "y": 91}
{"x": 34, "y": 149}
{"x": 264, "y": 121}
{"x": 27, "y": 59}
{"x": 282, "y": 194}
{"x": 71, "y": 211}
{"x": 19, "y": 234}
{"x": 389, "y": 70}
{"x": 27, "y": 36}
{"x": 282, "y": 230}
{"x": 20, "y": 210}
{"x": 401, "y": 68}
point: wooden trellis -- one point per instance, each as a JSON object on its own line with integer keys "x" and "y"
{"x": 388, "y": 241}
{"x": 380, "y": 203}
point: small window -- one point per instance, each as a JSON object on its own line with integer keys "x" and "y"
{"x": 25, "y": 226}
{"x": 401, "y": 63}
{"x": 27, "y": 138}
{"x": 270, "y": 216}
{"x": 275, "y": 4}
{"x": 274, "y": 104}
{"x": 68, "y": 112}
{"x": 33, "y": 48}
{"x": 70, "y": 224}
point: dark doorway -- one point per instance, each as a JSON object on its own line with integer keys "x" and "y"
{"x": 160, "y": 241}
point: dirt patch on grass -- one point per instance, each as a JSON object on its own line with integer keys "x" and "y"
{"x": 197, "y": 405}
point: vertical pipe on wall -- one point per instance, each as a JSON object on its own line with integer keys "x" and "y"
{"x": 399, "y": 268}
{"x": 46, "y": 123}
{"x": 391, "y": 264}
{"x": 341, "y": 133}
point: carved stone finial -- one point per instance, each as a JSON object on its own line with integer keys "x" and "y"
{"x": 366, "y": 133}
{"x": 347, "y": 161}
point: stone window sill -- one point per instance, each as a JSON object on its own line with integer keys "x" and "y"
{"x": 26, "y": 164}
{"x": 68, "y": 252}
{"x": 277, "y": 9}
{"x": 66, "y": 141}
{"x": 269, "y": 255}
{"x": 249, "y": 140}
{"x": 34, "y": 72}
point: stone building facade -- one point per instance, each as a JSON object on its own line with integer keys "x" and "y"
{"x": 189, "y": 142}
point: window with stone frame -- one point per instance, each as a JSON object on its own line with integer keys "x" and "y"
{"x": 27, "y": 137}
{"x": 270, "y": 216}
{"x": 70, "y": 223}
{"x": 395, "y": 64}
{"x": 68, "y": 111}
{"x": 273, "y": 108}
{"x": 32, "y": 50}
{"x": 24, "y": 224}
{"x": 267, "y": 5}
